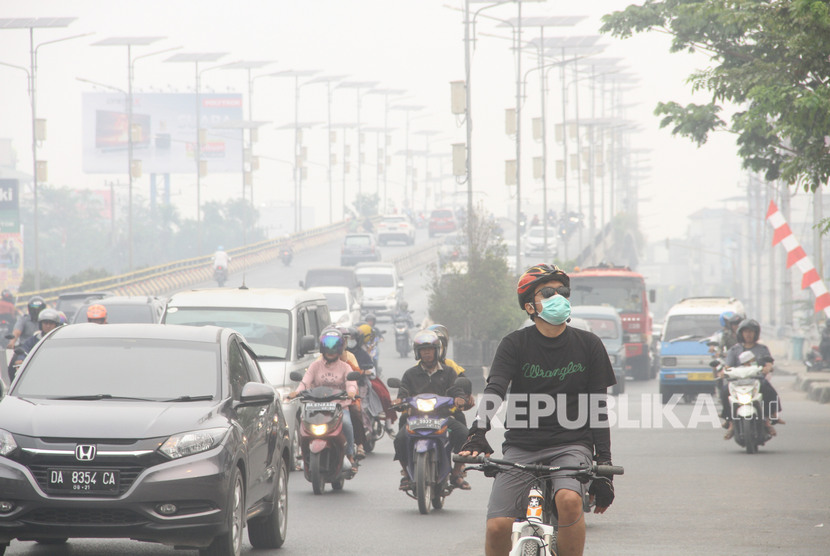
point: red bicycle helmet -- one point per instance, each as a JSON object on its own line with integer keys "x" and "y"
{"x": 538, "y": 274}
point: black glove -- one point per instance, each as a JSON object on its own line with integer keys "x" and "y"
{"x": 477, "y": 442}
{"x": 602, "y": 488}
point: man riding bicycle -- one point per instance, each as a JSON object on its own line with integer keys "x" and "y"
{"x": 562, "y": 364}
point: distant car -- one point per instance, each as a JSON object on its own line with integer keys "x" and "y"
{"x": 533, "y": 242}
{"x": 452, "y": 248}
{"x": 165, "y": 434}
{"x": 70, "y": 302}
{"x": 333, "y": 276}
{"x": 382, "y": 287}
{"x": 607, "y": 324}
{"x": 358, "y": 248}
{"x": 125, "y": 309}
{"x": 441, "y": 221}
{"x": 343, "y": 307}
{"x": 396, "y": 227}
{"x": 281, "y": 326}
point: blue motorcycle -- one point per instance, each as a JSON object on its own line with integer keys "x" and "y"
{"x": 428, "y": 446}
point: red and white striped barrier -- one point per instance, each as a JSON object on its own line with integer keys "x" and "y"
{"x": 796, "y": 256}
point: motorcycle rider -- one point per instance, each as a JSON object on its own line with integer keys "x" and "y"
{"x": 549, "y": 344}
{"x": 349, "y": 357}
{"x": 366, "y": 366}
{"x": 444, "y": 335}
{"x": 824, "y": 344}
{"x": 331, "y": 371}
{"x": 26, "y": 324}
{"x": 429, "y": 376}
{"x": 749, "y": 332}
{"x": 729, "y": 320}
{"x": 221, "y": 258}
{"x": 47, "y": 320}
{"x": 371, "y": 339}
{"x": 96, "y": 314}
{"x": 402, "y": 312}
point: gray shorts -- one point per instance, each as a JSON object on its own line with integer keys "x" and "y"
{"x": 509, "y": 495}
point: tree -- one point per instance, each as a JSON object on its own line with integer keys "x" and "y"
{"x": 770, "y": 60}
{"x": 476, "y": 302}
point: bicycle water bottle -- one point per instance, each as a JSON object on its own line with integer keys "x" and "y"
{"x": 535, "y": 505}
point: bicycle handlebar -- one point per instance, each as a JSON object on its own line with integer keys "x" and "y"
{"x": 602, "y": 470}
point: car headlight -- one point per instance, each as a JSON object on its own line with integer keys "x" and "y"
{"x": 7, "y": 443}
{"x": 193, "y": 442}
{"x": 319, "y": 430}
{"x": 426, "y": 404}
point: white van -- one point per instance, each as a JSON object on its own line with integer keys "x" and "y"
{"x": 281, "y": 325}
{"x": 684, "y": 351}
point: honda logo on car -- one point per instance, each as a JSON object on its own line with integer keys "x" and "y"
{"x": 85, "y": 452}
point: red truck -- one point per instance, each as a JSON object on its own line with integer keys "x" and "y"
{"x": 625, "y": 290}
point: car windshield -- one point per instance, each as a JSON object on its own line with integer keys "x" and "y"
{"x": 376, "y": 280}
{"x": 120, "y": 314}
{"x": 358, "y": 240}
{"x": 604, "y": 328}
{"x": 150, "y": 369}
{"x": 336, "y": 301}
{"x": 694, "y": 327}
{"x": 267, "y": 331}
{"x": 540, "y": 233}
{"x": 623, "y": 294}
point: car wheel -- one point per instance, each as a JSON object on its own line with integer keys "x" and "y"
{"x": 296, "y": 456}
{"x": 230, "y": 542}
{"x": 269, "y": 531}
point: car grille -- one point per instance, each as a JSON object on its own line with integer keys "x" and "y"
{"x": 82, "y": 516}
{"x": 127, "y": 476}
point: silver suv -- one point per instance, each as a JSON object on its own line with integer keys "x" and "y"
{"x": 282, "y": 326}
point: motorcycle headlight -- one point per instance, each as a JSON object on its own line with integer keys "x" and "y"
{"x": 7, "y": 443}
{"x": 193, "y": 442}
{"x": 319, "y": 430}
{"x": 426, "y": 404}
{"x": 744, "y": 397}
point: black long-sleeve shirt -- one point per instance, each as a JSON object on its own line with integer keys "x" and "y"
{"x": 416, "y": 380}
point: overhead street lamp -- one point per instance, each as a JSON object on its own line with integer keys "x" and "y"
{"x": 31, "y": 24}
{"x": 196, "y": 58}
{"x": 129, "y": 42}
{"x": 298, "y": 195}
{"x": 408, "y": 108}
{"x": 328, "y": 80}
{"x": 357, "y": 86}
{"x": 248, "y": 65}
{"x": 344, "y": 127}
{"x": 386, "y": 139}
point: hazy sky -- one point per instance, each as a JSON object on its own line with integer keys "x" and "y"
{"x": 415, "y": 45}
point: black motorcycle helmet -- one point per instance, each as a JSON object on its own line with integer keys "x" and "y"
{"x": 749, "y": 324}
{"x": 36, "y": 305}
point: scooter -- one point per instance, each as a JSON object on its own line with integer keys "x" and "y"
{"x": 220, "y": 274}
{"x": 286, "y": 255}
{"x": 322, "y": 440}
{"x": 402, "y": 341}
{"x": 746, "y": 405}
{"x": 815, "y": 362}
{"x": 428, "y": 445}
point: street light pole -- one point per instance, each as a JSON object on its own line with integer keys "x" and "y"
{"x": 328, "y": 79}
{"x": 129, "y": 42}
{"x": 196, "y": 58}
{"x": 31, "y": 24}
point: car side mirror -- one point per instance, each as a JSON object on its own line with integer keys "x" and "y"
{"x": 296, "y": 376}
{"x": 256, "y": 393}
{"x": 393, "y": 382}
{"x": 307, "y": 345}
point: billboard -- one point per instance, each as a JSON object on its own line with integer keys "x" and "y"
{"x": 164, "y": 132}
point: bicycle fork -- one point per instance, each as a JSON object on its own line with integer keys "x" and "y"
{"x": 531, "y": 535}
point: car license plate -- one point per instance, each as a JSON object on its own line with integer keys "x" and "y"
{"x": 700, "y": 376}
{"x": 83, "y": 480}
{"x": 425, "y": 423}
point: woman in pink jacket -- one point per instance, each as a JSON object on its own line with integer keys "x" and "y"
{"x": 331, "y": 371}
